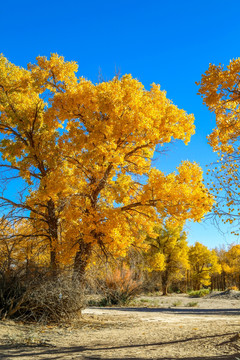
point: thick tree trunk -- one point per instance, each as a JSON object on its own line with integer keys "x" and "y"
{"x": 53, "y": 234}
{"x": 53, "y": 261}
{"x": 165, "y": 289}
{"x": 81, "y": 260}
{"x": 165, "y": 283}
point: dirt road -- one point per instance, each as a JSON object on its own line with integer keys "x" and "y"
{"x": 203, "y": 331}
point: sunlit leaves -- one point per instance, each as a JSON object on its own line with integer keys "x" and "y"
{"x": 86, "y": 152}
{"x": 204, "y": 263}
{"x": 220, "y": 89}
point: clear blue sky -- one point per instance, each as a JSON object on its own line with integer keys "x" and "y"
{"x": 170, "y": 43}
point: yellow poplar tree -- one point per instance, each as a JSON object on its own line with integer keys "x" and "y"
{"x": 203, "y": 263}
{"x": 168, "y": 254}
{"x": 85, "y": 150}
{"x": 232, "y": 265}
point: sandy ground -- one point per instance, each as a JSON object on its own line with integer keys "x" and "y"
{"x": 175, "y": 328}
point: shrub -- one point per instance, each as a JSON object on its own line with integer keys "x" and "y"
{"x": 235, "y": 288}
{"x": 119, "y": 288}
{"x": 192, "y": 304}
{"x": 177, "y": 303}
{"x": 41, "y": 299}
{"x": 198, "y": 293}
{"x": 13, "y": 291}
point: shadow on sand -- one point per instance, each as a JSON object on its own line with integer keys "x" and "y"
{"x": 16, "y": 351}
{"x": 179, "y": 311}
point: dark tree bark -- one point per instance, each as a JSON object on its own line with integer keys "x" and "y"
{"x": 81, "y": 260}
{"x": 53, "y": 235}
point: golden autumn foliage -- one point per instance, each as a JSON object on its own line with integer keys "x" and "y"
{"x": 229, "y": 260}
{"x": 203, "y": 264}
{"x": 220, "y": 90}
{"x": 20, "y": 248}
{"x": 168, "y": 254}
{"x": 233, "y": 260}
{"x": 230, "y": 263}
{"x": 85, "y": 151}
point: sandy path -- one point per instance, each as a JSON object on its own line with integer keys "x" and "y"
{"x": 131, "y": 333}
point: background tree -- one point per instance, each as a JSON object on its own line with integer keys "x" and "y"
{"x": 231, "y": 266}
{"x": 168, "y": 254}
{"x": 203, "y": 263}
{"x": 221, "y": 281}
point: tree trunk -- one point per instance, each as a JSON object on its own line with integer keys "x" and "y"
{"x": 53, "y": 261}
{"x": 188, "y": 280}
{"x": 53, "y": 234}
{"x": 165, "y": 283}
{"x": 165, "y": 289}
{"x": 213, "y": 285}
{"x": 81, "y": 260}
{"x": 223, "y": 281}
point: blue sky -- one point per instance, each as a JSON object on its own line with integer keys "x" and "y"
{"x": 170, "y": 43}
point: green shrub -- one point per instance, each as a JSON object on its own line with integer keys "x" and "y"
{"x": 192, "y": 304}
{"x": 177, "y": 303}
{"x": 198, "y": 293}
